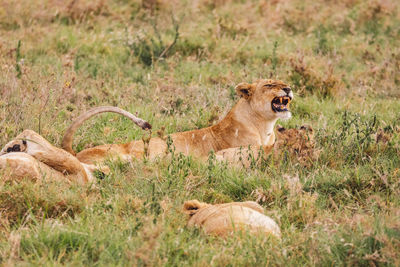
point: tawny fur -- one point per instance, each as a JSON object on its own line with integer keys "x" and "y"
{"x": 250, "y": 122}
{"x": 298, "y": 142}
{"x": 34, "y": 153}
{"x": 222, "y": 219}
{"x": 22, "y": 165}
{"x": 67, "y": 140}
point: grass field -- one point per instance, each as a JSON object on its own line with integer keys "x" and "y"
{"x": 175, "y": 64}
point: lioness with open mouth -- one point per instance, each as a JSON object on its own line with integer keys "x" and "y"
{"x": 250, "y": 122}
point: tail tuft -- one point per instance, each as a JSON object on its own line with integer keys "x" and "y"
{"x": 146, "y": 126}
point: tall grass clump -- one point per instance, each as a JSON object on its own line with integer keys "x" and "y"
{"x": 151, "y": 47}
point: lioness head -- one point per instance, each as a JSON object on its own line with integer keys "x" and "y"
{"x": 268, "y": 98}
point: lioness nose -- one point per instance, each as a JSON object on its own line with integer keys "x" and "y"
{"x": 287, "y": 90}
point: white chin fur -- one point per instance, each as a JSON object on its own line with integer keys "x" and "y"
{"x": 284, "y": 115}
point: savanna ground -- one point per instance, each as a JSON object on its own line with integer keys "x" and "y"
{"x": 175, "y": 64}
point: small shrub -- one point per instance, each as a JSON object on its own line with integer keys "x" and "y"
{"x": 150, "y": 48}
{"x": 355, "y": 136}
{"x": 307, "y": 80}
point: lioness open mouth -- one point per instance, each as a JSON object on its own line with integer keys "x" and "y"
{"x": 281, "y": 103}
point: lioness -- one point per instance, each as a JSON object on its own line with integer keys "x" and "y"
{"x": 250, "y": 122}
{"x": 222, "y": 219}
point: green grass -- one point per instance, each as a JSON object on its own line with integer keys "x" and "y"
{"x": 340, "y": 57}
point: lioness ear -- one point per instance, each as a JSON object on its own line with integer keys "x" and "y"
{"x": 192, "y": 206}
{"x": 245, "y": 90}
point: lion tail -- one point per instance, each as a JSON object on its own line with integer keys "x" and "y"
{"x": 68, "y": 137}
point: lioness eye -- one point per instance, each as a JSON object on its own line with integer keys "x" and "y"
{"x": 269, "y": 85}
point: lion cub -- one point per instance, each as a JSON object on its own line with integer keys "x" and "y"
{"x": 298, "y": 143}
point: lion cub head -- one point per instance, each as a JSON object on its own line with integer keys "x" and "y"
{"x": 268, "y": 98}
{"x": 222, "y": 219}
{"x": 299, "y": 143}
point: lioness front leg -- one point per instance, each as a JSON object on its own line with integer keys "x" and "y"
{"x": 22, "y": 165}
{"x": 35, "y": 145}
{"x": 243, "y": 156}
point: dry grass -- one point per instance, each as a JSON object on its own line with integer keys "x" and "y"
{"x": 342, "y": 59}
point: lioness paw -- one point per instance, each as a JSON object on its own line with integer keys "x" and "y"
{"x": 14, "y": 146}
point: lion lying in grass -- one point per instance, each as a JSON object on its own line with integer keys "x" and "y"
{"x": 250, "y": 122}
{"x": 299, "y": 143}
{"x": 222, "y": 219}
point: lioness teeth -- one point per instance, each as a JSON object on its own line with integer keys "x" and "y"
{"x": 281, "y": 106}
{"x": 281, "y": 103}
